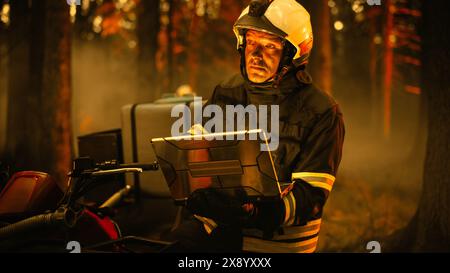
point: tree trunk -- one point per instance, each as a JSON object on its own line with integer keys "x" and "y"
{"x": 39, "y": 131}
{"x": 4, "y": 57}
{"x": 19, "y": 147}
{"x": 170, "y": 45}
{"x": 147, "y": 32}
{"x": 429, "y": 230}
{"x": 324, "y": 38}
{"x": 388, "y": 69}
{"x": 321, "y": 55}
{"x": 375, "y": 69}
{"x": 194, "y": 48}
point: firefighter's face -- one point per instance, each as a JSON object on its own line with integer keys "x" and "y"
{"x": 262, "y": 55}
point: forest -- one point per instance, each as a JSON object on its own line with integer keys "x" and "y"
{"x": 68, "y": 67}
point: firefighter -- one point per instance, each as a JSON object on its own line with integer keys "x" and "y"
{"x": 274, "y": 39}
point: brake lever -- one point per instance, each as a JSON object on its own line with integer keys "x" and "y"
{"x": 116, "y": 171}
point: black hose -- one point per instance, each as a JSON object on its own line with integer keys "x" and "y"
{"x": 32, "y": 223}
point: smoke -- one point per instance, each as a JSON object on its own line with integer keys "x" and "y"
{"x": 379, "y": 181}
{"x": 104, "y": 79}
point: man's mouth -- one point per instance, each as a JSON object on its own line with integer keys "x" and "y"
{"x": 257, "y": 67}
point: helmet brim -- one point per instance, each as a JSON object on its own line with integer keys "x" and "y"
{"x": 260, "y": 24}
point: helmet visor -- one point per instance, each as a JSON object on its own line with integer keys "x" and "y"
{"x": 259, "y": 24}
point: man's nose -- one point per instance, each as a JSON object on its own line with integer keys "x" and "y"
{"x": 257, "y": 52}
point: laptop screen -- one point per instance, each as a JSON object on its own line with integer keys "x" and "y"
{"x": 236, "y": 166}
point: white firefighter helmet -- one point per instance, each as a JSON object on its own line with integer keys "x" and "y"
{"x": 284, "y": 18}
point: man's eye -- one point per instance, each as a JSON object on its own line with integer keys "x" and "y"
{"x": 270, "y": 46}
{"x": 250, "y": 42}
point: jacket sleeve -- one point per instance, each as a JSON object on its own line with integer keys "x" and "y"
{"x": 315, "y": 169}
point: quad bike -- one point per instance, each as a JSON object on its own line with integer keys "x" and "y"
{"x": 36, "y": 216}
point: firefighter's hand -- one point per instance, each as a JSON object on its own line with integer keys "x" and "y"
{"x": 267, "y": 216}
{"x": 219, "y": 206}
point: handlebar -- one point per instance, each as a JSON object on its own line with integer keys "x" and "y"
{"x": 109, "y": 169}
{"x": 108, "y": 165}
{"x": 85, "y": 166}
{"x": 145, "y": 167}
{"x": 116, "y": 171}
{"x": 79, "y": 183}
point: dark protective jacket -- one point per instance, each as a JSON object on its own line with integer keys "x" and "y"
{"x": 311, "y": 134}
